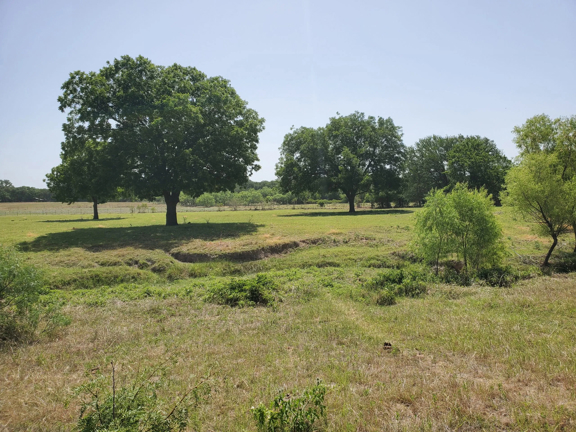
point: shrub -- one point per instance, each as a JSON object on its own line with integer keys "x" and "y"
{"x": 385, "y": 298}
{"x": 392, "y": 283}
{"x": 504, "y": 276}
{"x": 288, "y": 413}
{"x": 385, "y": 279}
{"x": 460, "y": 222}
{"x": 21, "y": 310}
{"x": 137, "y": 406}
{"x": 206, "y": 200}
{"x": 410, "y": 288}
{"x": 244, "y": 292}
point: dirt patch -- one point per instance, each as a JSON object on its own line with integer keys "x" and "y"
{"x": 31, "y": 234}
{"x": 245, "y": 255}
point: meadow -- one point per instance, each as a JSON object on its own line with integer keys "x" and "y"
{"x": 471, "y": 357}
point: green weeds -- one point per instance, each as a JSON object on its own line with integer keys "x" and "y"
{"x": 292, "y": 413}
{"x": 258, "y": 291}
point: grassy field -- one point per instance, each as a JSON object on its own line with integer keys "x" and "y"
{"x": 458, "y": 358}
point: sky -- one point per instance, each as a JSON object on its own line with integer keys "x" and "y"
{"x": 441, "y": 67}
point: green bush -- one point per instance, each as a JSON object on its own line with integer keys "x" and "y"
{"x": 289, "y": 413}
{"x": 410, "y": 288}
{"x": 137, "y": 406}
{"x": 22, "y": 313}
{"x": 461, "y": 222}
{"x": 244, "y": 292}
{"x": 504, "y": 276}
{"x": 386, "y": 278}
{"x": 385, "y": 298}
{"x": 391, "y": 283}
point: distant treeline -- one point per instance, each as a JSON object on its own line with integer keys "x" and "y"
{"x": 11, "y": 193}
{"x": 254, "y": 193}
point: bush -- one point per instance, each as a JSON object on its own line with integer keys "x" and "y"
{"x": 410, "y": 288}
{"x": 206, "y": 200}
{"x": 244, "y": 292}
{"x": 137, "y": 406}
{"x": 385, "y": 279}
{"x": 461, "y": 222}
{"x": 504, "y": 277}
{"x": 392, "y": 283}
{"x": 385, "y": 298}
{"x": 288, "y": 413}
{"x": 21, "y": 310}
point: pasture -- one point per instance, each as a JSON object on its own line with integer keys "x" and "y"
{"x": 459, "y": 358}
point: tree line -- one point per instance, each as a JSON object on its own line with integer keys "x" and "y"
{"x": 147, "y": 131}
{"x": 11, "y": 193}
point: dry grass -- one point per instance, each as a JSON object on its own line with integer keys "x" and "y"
{"x": 489, "y": 360}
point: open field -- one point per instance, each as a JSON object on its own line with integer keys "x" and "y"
{"x": 461, "y": 358}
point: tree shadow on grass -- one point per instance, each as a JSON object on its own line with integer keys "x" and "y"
{"x": 141, "y": 237}
{"x": 82, "y": 220}
{"x": 345, "y": 213}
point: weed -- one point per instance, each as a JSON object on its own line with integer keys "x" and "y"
{"x": 244, "y": 292}
{"x": 22, "y": 311}
{"x": 385, "y": 298}
{"x": 137, "y": 406}
{"x": 288, "y": 413}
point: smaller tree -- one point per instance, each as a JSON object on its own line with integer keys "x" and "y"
{"x": 462, "y": 223}
{"x": 536, "y": 188}
{"x": 434, "y": 227}
{"x": 88, "y": 171}
{"x": 542, "y": 134}
{"x": 477, "y": 234}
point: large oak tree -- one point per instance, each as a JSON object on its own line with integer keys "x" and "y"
{"x": 176, "y": 129}
{"x": 351, "y": 154}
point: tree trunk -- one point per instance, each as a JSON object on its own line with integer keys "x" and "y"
{"x": 172, "y": 199}
{"x": 554, "y": 243}
{"x": 95, "y": 207}
{"x": 351, "y": 208}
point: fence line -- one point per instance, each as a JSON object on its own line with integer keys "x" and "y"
{"x": 157, "y": 208}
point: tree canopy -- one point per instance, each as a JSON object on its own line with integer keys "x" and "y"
{"x": 437, "y": 162}
{"x": 426, "y": 166}
{"x": 88, "y": 171}
{"x": 536, "y": 188}
{"x": 547, "y": 145}
{"x": 351, "y": 153}
{"x": 174, "y": 129}
{"x": 479, "y": 163}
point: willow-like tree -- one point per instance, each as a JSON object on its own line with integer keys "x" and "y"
{"x": 537, "y": 189}
{"x": 351, "y": 153}
{"x": 176, "y": 129}
{"x": 542, "y": 134}
{"x": 460, "y": 222}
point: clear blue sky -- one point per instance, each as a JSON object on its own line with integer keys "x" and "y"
{"x": 435, "y": 67}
